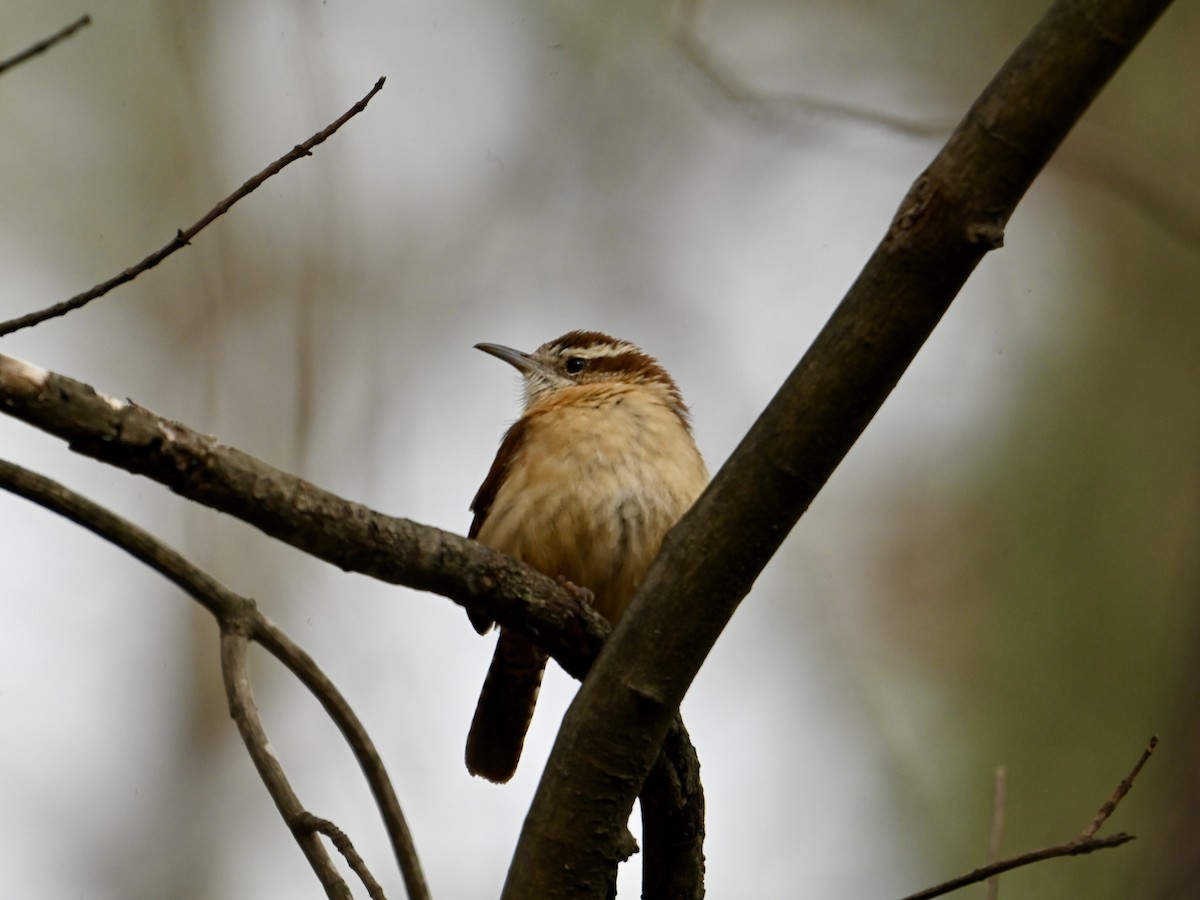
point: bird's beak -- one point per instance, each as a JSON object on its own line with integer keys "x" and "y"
{"x": 522, "y": 362}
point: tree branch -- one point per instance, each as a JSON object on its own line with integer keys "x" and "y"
{"x": 183, "y": 237}
{"x": 348, "y": 535}
{"x": 1110, "y": 805}
{"x": 357, "y": 538}
{"x": 672, "y": 801}
{"x": 953, "y": 215}
{"x": 1084, "y": 842}
{"x": 236, "y": 676}
{"x": 238, "y": 615}
{"x": 1070, "y": 848}
{"x": 312, "y": 677}
{"x": 344, "y": 847}
{"x": 43, "y": 45}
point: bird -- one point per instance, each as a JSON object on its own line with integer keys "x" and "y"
{"x": 598, "y": 468}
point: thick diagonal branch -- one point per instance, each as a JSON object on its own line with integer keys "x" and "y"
{"x": 954, "y": 214}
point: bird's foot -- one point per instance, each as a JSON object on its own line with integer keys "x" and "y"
{"x": 581, "y": 594}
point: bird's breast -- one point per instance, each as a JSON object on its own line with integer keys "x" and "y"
{"x": 592, "y": 490}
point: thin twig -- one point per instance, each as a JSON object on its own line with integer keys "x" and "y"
{"x": 183, "y": 237}
{"x": 1068, "y": 848}
{"x": 345, "y": 847}
{"x": 312, "y": 677}
{"x": 240, "y": 614}
{"x": 236, "y": 675}
{"x": 43, "y": 45}
{"x": 1084, "y": 842}
{"x": 138, "y": 543}
{"x": 999, "y": 802}
{"x": 1123, "y": 788}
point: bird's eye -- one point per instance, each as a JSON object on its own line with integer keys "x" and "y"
{"x": 576, "y": 364}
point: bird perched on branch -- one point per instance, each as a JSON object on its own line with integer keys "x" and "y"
{"x": 585, "y": 485}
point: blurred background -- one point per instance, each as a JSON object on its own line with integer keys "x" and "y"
{"x": 1005, "y": 570}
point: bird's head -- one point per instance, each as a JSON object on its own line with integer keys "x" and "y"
{"x": 587, "y": 358}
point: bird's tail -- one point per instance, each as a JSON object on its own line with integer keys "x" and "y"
{"x": 505, "y": 708}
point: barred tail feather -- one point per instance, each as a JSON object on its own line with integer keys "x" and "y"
{"x": 505, "y": 708}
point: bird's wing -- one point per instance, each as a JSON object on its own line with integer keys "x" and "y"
{"x": 514, "y": 439}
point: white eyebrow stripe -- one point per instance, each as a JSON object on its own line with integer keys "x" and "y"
{"x": 595, "y": 351}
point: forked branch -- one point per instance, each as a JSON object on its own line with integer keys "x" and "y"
{"x": 236, "y": 675}
{"x": 240, "y": 622}
{"x": 357, "y": 538}
{"x": 344, "y": 847}
{"x": 1084, "y": 842}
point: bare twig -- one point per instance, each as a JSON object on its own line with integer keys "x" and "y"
{"x": 1109, "y": 805}
{"x": 999, "y": 802}
{"x": 184, "y": 236}
{"x": 241, "y": 615}
{"x": 344, "y": 847}
{"x": 43, "y": 45}
{"x": 236, "y": 676}
{"x": 1069, "y": 848}
{"x": 312, "y": 677}
{"x": 1084, "y": 842}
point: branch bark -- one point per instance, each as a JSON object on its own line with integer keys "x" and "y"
{"x": 240, "y": 621}
{"x": 672, "y": 801}
{"x": 349, "y": 535}
{"x": 346, "y": 848}
{"x": 953, "y": 215}
{"x": 236, "y": 674}
{"x": 356, "y": 538}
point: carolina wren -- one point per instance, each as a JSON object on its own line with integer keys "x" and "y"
{"x": 585, "y": 485}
